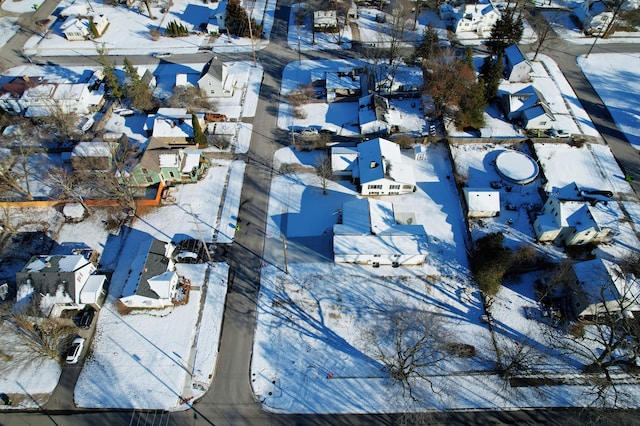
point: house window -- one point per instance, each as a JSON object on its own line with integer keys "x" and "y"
{"x": 172, "y": 174}
{"x": 149, "y": 179}
{"x": 543, "y": 123}
{"x": 375, "y": 186}
{"x": 144, "y": 170}
{"x": 394, "y": 186}
{"x": 407, "y": 186}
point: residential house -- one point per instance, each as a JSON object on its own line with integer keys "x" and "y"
{"x": 400, "y": 81}
{"x": 36, "y": 97}
{"x": 158, "y": 281}
{"x": 171, "y": 128}
{"x": 339, "y": 84}
{"x": 528, "y": 106}
{"x": 575, "y": 222}
{"x": 371, "y": 234}
{"x": 215, "y": 80}
{"x": 600, "y": 286}
{"x": 169, "y": 166}
{"x": 482, "y": 202}
{"x": 420, "y": 152}
{"x": 67, "y": 281}
{"x": 93, "y": 155}
{"x": 595, "y": 16}
{"x": 77, "y": 28}
{"x": 379, "y": 168}
{"x": 373, "y": 115}
{"x": 325, "y": 20}
{"x": 517, "y": 67}
{"x": 344, "y": 161}
{"x": 475, "y": 17}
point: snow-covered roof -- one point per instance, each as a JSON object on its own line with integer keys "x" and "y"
{"x": 379, "y": 158}
{"x": 169, "y": 160}
{"x": 161, "y": 284}
{"x": 164, "y": 127}
{"x": 603, "y": 279}
{"x": 344, "y": 159}
{"x": 191, "y": 160}
{"x": 481, "y": 199}
{"x": 93, "y": 149}
{"x": 368, "y": 216}
{"x": 56, "y": 263}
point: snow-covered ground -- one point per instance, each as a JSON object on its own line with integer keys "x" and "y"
{"x": 129, "y": 31}
{"x": 329, "y": 366}
{"x": 616, "y": 79}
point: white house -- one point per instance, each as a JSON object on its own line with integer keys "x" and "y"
{"x": 158, "y": 282}
{"x": 323, "y": 19}
{"x": 94, "y": 155}
{"x": 517, "y": 67}
{"x": 378, "y": 167}
{"x": 373, "y": 115}
{"x": 67, "y": 281}
{"x": 344, "y": 161}
{"x": 371, "y": 234}
{"x": 572, "y": 222}
{"x": 595, "y": 16}
{"x": 528, "y": 106}
{"x": 215, "y": 80}
{"x": 482, "y": 202}
{"x": 479, "y": 17}
{"x": 36, "y": 97}
{"x": 77, "y": 28}
{"x": 599, "y": 286}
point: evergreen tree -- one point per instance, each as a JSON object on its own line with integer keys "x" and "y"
{"x": 237, "y": 21}
{"x": 130, "y": 70}
{"x": 428, "y": 48}
{"x": 472, "y": 106}
{"x": 136, "y": 89}
{"x": 198, "y": 136}
{"x": 110, "y": 78}
{"x": 491, "y": 74}
{"x": 506, "y": 31}
{"x": 468, "y": 57}
{"x": 93, "y": 28}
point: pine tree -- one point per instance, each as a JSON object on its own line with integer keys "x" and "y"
{"x": 198, "y": 136}
{"x": 93, "y": 28}
{"x": 491, "y": 73}
{"x": 468, "y": 57}
{"x": 237, "y": 21}
{"x": 472, "y": 106}
{"x": 428, "y": 48}
{"x": 506, "y": 31}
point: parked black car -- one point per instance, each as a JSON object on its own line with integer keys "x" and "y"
{"x": 84, "y": 318}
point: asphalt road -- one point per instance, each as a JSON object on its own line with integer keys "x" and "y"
{"x": 230, "y": 400}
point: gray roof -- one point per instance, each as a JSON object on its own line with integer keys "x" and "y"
{"x": 155, "y": 264}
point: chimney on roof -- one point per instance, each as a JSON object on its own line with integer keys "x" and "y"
{"x": 25, "y": 78}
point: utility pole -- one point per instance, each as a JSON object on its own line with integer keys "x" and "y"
{"x": 253, "y": 50}
{"x": 284, "y": 246}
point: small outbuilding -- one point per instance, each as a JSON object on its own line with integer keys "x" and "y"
{"x": 482, "y": 202}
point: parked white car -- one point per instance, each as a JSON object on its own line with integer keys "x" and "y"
{"x": 75, "y": 350}
{"x": 86, "y": 124}
{"x": 309, "y": 131}
{"x": 559, "y": 133}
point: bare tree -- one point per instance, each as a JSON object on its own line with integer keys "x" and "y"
{"x": 324, "y": 171}
{"x": 15, "y": 171}
{"x": 607, "y": 343}
{"x": 543, "y": 29}
{"x": 43, "y": 337}
{"x": 191, "y": 98}
{"x": 400, "y": 18}
{"x": 68, "y": 185}
{"x": 408, "y": 342}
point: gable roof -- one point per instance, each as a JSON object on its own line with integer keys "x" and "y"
{"x": 379, "y": 159}
{"x": 214, "y": 68}
{"x": 603, "y": 280}
{"x": 155, "y": 264}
